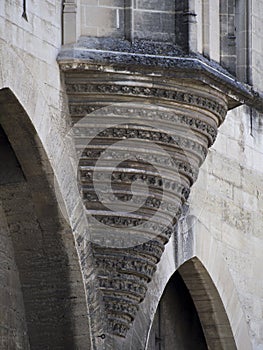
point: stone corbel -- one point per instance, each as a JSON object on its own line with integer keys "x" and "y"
{"x": 144, "y": 120}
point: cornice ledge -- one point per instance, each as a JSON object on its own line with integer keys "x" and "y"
{"x": 191, "y": 67}
{"x": 256, "y": 100}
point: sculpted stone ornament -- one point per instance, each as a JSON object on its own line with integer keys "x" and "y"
{"x": 142, "y": 129}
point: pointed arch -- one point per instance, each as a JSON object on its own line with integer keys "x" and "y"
{"x": 176, "y": 318}
{"x": 209, "y": 255}
{"x": 43, "y": 244}
{"x": 208, "y": 308}
{"x": 204, "y": 263}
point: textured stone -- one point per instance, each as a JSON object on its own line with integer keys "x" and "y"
{"x": 229, "y": 184}
{"x": 126, "y": 265}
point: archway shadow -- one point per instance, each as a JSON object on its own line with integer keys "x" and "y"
{"x": 190, "y": 313}
{"x": 209, "y": 306}
{"x": 44, "y": 250}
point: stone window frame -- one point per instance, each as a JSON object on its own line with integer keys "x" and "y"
{"x": 185, "y": 15}
{"x": 235, "y": 37}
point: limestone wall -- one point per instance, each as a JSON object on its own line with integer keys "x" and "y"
{"x": 28, "y": 67}
{"x": 28, "y": 63}
{"x": 102, "y": 18}
{"x": 151, "y": 19}
{"x": 227, "y": 201}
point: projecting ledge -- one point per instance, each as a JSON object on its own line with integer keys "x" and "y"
{"x": 156, "y": 59}
{"x": 143, "y": 116}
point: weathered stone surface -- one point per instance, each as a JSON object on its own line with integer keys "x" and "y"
{"x": 116, "y": 127}
{"x": 224, "y": 229}
{"x": 44, "y": 254}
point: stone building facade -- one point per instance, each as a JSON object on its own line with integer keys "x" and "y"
{"x": 131, "y": 176}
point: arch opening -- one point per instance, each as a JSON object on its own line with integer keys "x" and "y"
{"x": 190, "y": 313}
{"x": 43, "y": 246}
{"x": 176, "y": 323}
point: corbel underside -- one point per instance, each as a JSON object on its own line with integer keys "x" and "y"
{"x": 148, "y": 126}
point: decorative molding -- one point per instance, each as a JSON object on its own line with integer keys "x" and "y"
{"x": 90, "y": 157}
{"x": 163, "y": 115}
{"x": 180, "y": 119}
{"x": 172, "y": 95}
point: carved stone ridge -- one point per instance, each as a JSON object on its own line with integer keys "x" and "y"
{"x": 165, "y": 60}
{"x": 164, "y": 115}
{"x": 176, "y": 96}
{"x": 177, "y": 107}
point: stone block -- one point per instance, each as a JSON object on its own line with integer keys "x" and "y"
{"x": 157, "y": 25}
{"x": 112, "y": 3}
{"x": 93, "y": 3}
{"x": 100, "y": 17}
{"x": 156, "y": 5}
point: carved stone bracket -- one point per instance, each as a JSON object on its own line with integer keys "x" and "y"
{"x": 140, "y": 139}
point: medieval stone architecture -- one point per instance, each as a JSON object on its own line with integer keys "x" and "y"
{"x": 131, "y": 174}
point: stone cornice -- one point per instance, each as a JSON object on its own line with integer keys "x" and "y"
{"x": 192, "y": 67}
